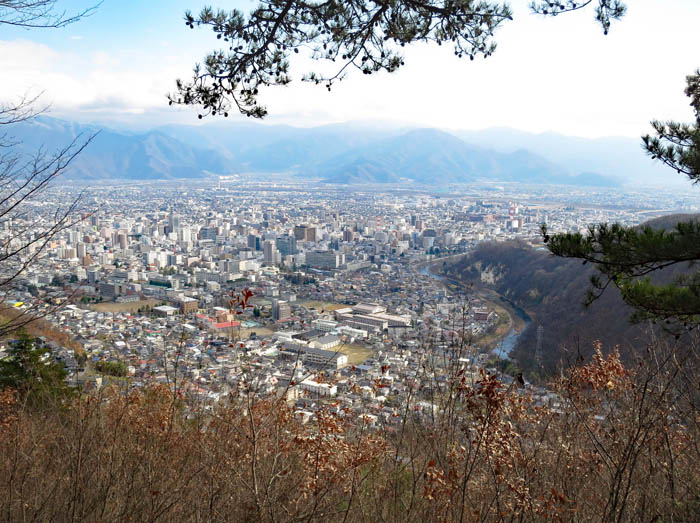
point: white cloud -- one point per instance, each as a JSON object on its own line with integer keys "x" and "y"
{"x": 103, "y": 59}
{"x": 100, "y": 85}
{"x": 555, "y": 74}
{"x": 19, "y": 55}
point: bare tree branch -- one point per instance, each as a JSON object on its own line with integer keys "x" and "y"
{"x": 33, "y": 14}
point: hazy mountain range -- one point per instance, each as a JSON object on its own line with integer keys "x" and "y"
{"x": 116, "y": 155}
{"x": 427, "y": 155}
{"x": 344, "y": 154}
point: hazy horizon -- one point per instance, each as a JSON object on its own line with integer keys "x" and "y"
{"x": 142, "y": 123}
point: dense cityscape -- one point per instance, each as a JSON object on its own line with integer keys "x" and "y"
{"x": 149, "y": 278}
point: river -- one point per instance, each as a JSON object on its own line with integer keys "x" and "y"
{"x": 507, "y": 344}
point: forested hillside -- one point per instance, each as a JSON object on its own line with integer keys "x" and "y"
{"x": 552, "y": 290}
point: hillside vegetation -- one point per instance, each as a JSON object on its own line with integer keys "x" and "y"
{"x": 552, "y": 290}
{"x": 608, "y": 443}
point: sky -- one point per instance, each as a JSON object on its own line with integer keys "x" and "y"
{"x": 548, "y": 74}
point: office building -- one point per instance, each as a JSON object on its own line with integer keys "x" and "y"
{"x": 287, "y": 245}
{"x": 325, "y": 259}
{"x": 305, "y": 233}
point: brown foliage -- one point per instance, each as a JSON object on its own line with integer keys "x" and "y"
{"x": 616, "y": 444}
{"x": 36, "y": 327}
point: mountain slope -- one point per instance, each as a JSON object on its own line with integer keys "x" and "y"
{"x": 338, "y": 153}
{"x": 428, "y": 155}
{"x": 617, "y": 156}
{"x": 552, "y": 290}
{"x": 113, "y": 155}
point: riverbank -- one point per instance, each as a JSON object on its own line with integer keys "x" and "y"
{"x": 507, "y": 331}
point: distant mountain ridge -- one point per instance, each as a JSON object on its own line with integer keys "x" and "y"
{"x": 335, "y": 154}
{"x": 118, "y": 156}
{"x": 618, "y": 156}
{"x": 427, "y": 155}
